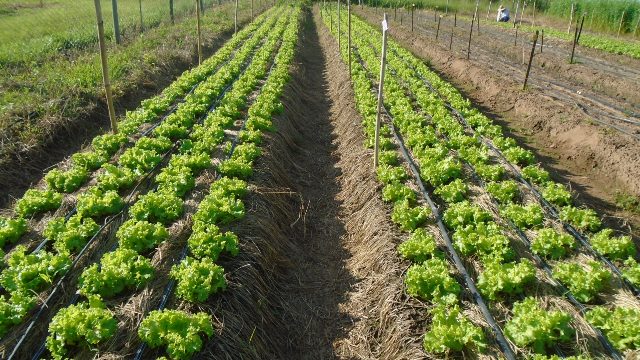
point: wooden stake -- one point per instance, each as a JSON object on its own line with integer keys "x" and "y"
{"x": 570, "y": 19}
{"x": 470, "y": 34}
{"x": 330, "y": 18}
{"x": 515, "y": 40}
{"x": 235, "y": 19}
{"x": 383, "y": 61}
{"x": 580, "y": 32}
{"x": 533, "y": 21}
{"x": 413, "y": 6}
{"x": 199, "y": 34}
{"x": 435, "y": 15}
{"x": 621, "y": 22}
{"x": 515, "y": 17}
{"x": 105, "y": 69}
{"x": 141, "y": 20}
{"x": 524, "y": 9}
{"x": 339, "y": 35}
{"x": 475, "y": 15}
{"x": 575, "y": 41}
{"x": 349, "y": 22}
{"x": 542, "y": 41}
{"x": 455, "y": 19}
{"x": 438, "y": 30}
{"x": 451, "y": 38}
{"x": 116, "y": 21}
{"x": 446, "y": 9}
{"x": 533, "y": 49}
{"x": 171, "y": 12}
{"x": 489, "y": 10}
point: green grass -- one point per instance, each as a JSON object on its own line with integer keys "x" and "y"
{"x": 627, "y": 202}
{"x": 30, "y": 33}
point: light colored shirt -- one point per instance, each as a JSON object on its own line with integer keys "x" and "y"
{"x": 504, "y": 13}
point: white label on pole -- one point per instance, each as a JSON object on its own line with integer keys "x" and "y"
{"x": 385, "y": 26}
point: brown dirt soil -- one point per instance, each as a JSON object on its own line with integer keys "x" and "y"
{"x": 595, "y": 160}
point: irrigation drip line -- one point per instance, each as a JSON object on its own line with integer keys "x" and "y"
{"x": 111, "y": 219}
{"x": 541, "y": 263}
{"x": 546, "y": 205}
{"x": 166, "y": 295}
{"x": 475, "y": 294}
{"x": 602, "y": 103}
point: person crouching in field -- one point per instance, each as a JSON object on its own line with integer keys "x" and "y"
{"x": 503, "y": 14}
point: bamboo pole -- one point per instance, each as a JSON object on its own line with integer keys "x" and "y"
{"x": 475, "y": 14}
{"x": 570, "y": 19}
{"x": 235, "y": 19}
{"x": 141, "y": 19}
{"x": 470, "y": 34}
{"x": 349, "y": 43}
{"x": 575, "y": 41}
{"x": 413, "y": 6}
{"x": 199, "y": 33}
{"x": 515, "y": 16}
{"x": 339, "y": 35}
{"x": 533, "y": 49}
{"x": 489, "y": 10}
{"x": 171, "y": 15}
{"x": 533, "y": 21}
{"x": 524, "y": 9}
{"x": 116, "y": 21}
{"x": 451, "y": 38}
{"x": 621, "y": 22}
{"x": 383, "y": 60}
{"x": 105, "y": 69}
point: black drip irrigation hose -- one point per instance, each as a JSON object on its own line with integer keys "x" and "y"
{"x": 166, "y": 295}
{"x": 540, "y": 262}
{"x": 108, "y": 221}
{"x": 475, "y": 294}
{"x": 550, "y": 209}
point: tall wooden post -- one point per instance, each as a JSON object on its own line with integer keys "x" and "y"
{"x": 515, "y": 16}
{"x": 383, "y": 61}
{"x": 116, "y": 21}
{"x": 621, "y": 22}
{"x": 475, "y": 15}
{"x": 575, "y": 41}
{"x": 171, "y": 12}
{"x": 489, "y": 10}
{"x": 199, "y": 34}
{"x": 339, "y": 35}
{"x": 580, "y": 31}
{"x": 413, "y": 7}
{"x": 570, "y": 19}
{"x": 470, "y": 34}
{"x": 105, "y": 69}
{"x": 349, "y": 41}
{"x": 533, "y": 49}
{"x": 524, "y": 9}
{"x": 533, "y": 21}
{"x": 141, "y": 19}
{"x": 451, "y": 38}
{"x": 235, "y": 19}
